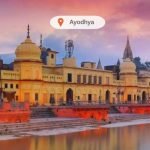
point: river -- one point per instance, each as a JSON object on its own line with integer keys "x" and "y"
{"x": 135, "y": 137}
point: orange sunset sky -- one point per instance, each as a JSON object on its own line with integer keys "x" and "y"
{"x": 123, "y": 17}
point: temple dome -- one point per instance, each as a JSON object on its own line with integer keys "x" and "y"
{"x": 28, "y": 50}
{"x": 127, "y": 66}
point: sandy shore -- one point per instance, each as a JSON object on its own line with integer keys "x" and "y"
{"x": 129, "y": 123}
{"x": 47, "y": 132}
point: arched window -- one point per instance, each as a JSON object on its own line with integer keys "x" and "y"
{"x": 107, "y": 96}
{"x": 69, "y": 96}
{"x": 52, "y": 56}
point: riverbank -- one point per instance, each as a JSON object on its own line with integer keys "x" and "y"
{"x": 39, "y": 124}
{"x": 55, "y": 126}
{"x": 121, "y": 120}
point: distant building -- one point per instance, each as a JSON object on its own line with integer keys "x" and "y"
{"x": 5, "y": 66}
{"x": 35, "y": 77}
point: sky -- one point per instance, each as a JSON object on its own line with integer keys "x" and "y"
{"x": 123, "y": 17}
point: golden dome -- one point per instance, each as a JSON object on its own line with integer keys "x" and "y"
{"x": 28, "y": 50}
{"x": 127, "y": 66}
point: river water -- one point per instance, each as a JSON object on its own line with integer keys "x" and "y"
{"x": 135, "y": 137}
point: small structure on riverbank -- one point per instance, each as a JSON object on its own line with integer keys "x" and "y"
{"x": 98, "y": 112}
{"x": 14, "y": 112}
{"x": 133, "y": 108}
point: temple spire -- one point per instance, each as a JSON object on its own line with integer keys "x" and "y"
{"x": 41, "y": 41}
{"x": 99, "y": 65}
{"x": 128, "y": 51}
{"x": 118, "y": 62}
{"x": 28, "y": 31}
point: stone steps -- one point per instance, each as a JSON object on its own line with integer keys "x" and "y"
{"x": 34, "y": 126}
{"x": 44, "y": 127}
{"x": 41, "y": 112}
{"x": 48, "y": 124}
{"x": 113, "y": 109}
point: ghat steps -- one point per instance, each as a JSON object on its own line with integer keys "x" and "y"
{"x": 43, "y": 125}
{"x": 113, "y": 109}
{"x": 41, "y": 112}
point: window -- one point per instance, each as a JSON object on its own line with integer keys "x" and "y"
{"x": 78, "y": 78}
{"x": 107, "y": 80}
{"x": 95, "y": 79}
{"x": 100, "y": 80}
{"x": 89, "y": 79}
{"x": 6, "y": 85}
{"x": 129, "y": 97}
{"x": 84, "y": 78}
{"x": 16, "y": 97}
{"x": 52, "y": 99}
{"x": 11, "y": 86}
{"x": 36, "y": 97}
{"x": 69, "y": 77}
{"x": 89, "y": 98}
{"x": 52, "y": 56}
{"x": 78, "y": 97}
{"x": 17, "y": 86}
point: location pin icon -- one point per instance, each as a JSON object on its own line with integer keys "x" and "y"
{"x": 60, "y": 21}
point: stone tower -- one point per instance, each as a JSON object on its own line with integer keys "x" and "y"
{"x": 128, "y": 52}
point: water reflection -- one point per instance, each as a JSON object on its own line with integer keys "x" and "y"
{"x": 126, "y": 138}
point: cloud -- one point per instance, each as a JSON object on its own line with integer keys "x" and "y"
{"x": 134, "y": 27}
{"x": 136, "y": 9}
{"x": 122, "y": 17}
{"x": 89, "y": 45}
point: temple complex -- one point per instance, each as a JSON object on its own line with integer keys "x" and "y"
{"x": 36, "y": 77}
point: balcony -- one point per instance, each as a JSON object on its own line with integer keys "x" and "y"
{"x": 118, "y": 82}
{"x": 11, "y": 75}
{"x": 142, "y": 83}
{"x": 53, "y": 78}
